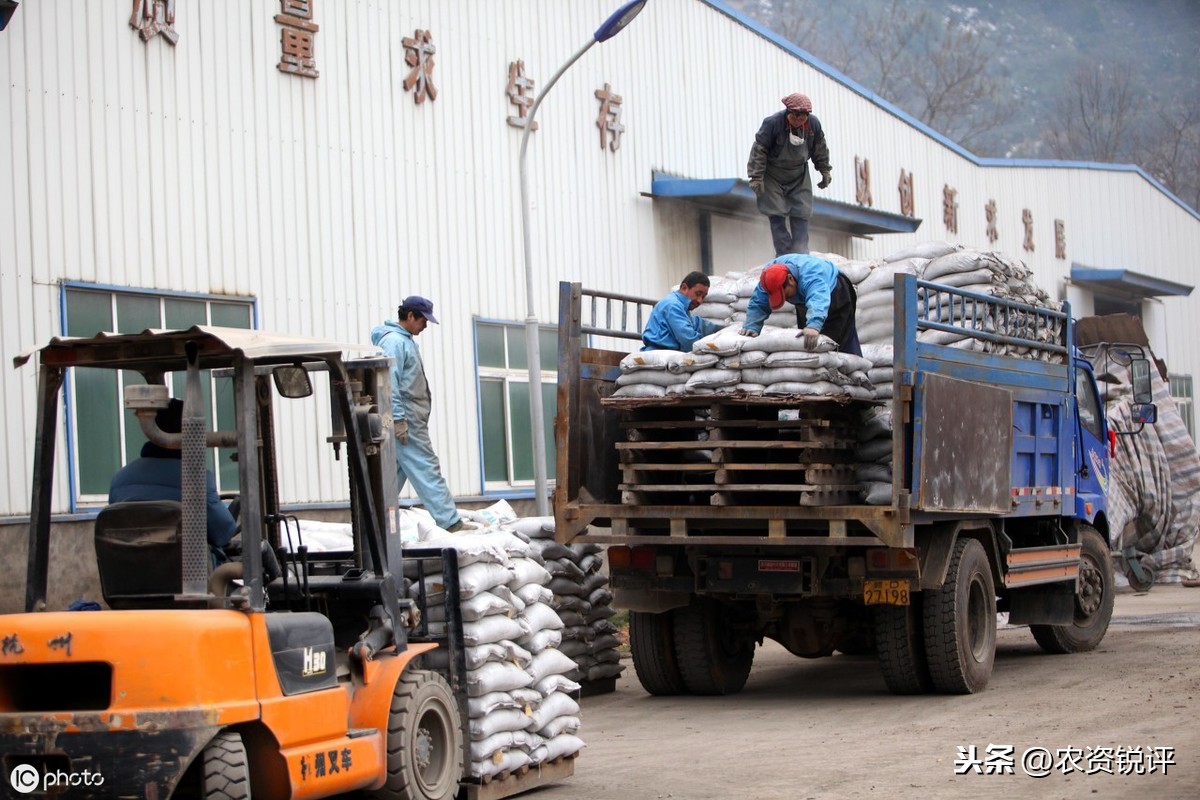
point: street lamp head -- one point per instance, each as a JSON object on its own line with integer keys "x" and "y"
{"x": 618, "y": 20}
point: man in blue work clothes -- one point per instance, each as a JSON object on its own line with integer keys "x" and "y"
{"x": 671, "y": 325}
{"x": 825, "y": 300}
{"x": 411, "y": 404}
{"x": 158, "y": 475}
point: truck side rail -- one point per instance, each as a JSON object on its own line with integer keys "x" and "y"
{"x": 1005, "y": 335}
{"x": 1012, "y": 367}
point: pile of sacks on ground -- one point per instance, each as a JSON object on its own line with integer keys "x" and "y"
{"x": 776, "y": 363}
{"x": 535, "y": 618}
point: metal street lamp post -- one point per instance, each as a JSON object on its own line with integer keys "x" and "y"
{"x": 611, "y": 27}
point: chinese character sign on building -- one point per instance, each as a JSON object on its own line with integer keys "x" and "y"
{"x": 297, "y": 36}
{"x": 862, "y": 181}
{"x": 990, "y": 213}
{"x": 609, "y": 121}
{"x": 418, "y": 54}
{"x": 1027, "y": 218}
{"x": 520, "y": 93}
{"x": 950, "y": 208}
{"x": 1060, "y": 239}
{"x": 906, "y": 193}
{"x": 152, "y": 17}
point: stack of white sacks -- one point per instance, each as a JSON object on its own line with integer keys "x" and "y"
{"x": 727, "y": 363}
{"x": 583, "y": 601}
{"x": 773, "y": 363}
{"x": 519, "y": 682}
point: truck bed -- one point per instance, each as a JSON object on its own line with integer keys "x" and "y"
{"x": 976, "y": 434}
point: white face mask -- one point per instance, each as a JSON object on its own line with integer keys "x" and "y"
{"x": 795, "y": 138}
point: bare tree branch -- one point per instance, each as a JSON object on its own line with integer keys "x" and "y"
{"x": 1096, "y": 118}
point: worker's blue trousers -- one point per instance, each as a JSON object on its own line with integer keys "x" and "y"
{"x": 417, "y": 462}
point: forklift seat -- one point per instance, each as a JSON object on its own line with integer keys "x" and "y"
{"x": 139, "y": 548}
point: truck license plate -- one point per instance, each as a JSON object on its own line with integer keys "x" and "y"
{"x": 890, "y": 593}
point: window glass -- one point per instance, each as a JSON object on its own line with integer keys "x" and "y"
{"x": 522, "y": 436}
{"x": 137, "y": 312}
{"x": 504, "y": 402}
{"x": 1089, "y": 406}
{"x": 518, "y": 355}
{"x": 106, "y": 436}
{"x": 492, "y": 414}
{"x": 180, "y": 314}
{"x": 96, "y": 414}
{"x": 88, "y": 313}
{"x": 548, "y": 344}
{"x": 490, "y": 340}
{"x": 230, "y": 315}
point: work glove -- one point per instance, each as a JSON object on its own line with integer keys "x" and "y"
{"x": 756, "y": 185}
{"x": 402, "y": 431}
{"x": 748, "y": 332}
{"x": 826, "y": 179}
{"x": 811, "y": 336}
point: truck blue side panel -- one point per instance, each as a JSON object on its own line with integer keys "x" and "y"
{"x": 1043, "y": 445}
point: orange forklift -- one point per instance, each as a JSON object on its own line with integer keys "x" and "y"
{"x": 278, "y": 674}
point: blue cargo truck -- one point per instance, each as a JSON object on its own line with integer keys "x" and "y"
{"x": 731, "y": 519}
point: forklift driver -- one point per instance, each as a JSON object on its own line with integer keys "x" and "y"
{"x": 157, "y": 475}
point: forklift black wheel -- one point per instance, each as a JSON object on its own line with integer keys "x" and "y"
{"x": 226, "y": 768}
{"x": 424, "y": 740}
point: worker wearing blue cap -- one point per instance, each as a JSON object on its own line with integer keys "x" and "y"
{"x": 411, "y": 404}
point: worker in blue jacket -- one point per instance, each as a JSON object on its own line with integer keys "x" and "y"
{"x": 411, "y": 404}
{"x": 825, "y": 300}
{"x": 158, "y": 475}
{"x": 671, "y": 325}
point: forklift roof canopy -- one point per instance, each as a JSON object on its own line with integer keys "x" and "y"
{"x": 165, "y": 349}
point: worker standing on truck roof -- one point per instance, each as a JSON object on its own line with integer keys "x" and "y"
{"x": 411, "y": 404}
{"x": 778, "y": 171}
{"x": 158, "y": 475}
{"x": 825, "y": 300}
{"x": 671, "y": 325}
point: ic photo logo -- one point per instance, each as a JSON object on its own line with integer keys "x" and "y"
{"x": 26, "y": 779}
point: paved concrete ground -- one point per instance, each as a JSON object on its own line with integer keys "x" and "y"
{"x": 828, "y": 728}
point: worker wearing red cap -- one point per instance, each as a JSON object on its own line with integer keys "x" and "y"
{"x": 825, "y": 300}
{"x": 778, "y": 171}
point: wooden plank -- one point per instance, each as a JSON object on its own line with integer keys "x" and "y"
{"x": 522, "y": 781}
{"x": 846, "y": 444}
{"x": 736, "y": 487}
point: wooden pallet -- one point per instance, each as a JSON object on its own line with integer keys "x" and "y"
{"x": 729, "y": 452}
{"x": 507, "y": 784}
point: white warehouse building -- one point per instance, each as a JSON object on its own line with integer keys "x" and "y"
{"x": 302, "y": 165}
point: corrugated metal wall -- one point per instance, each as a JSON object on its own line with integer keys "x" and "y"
{"x": 202, "y": 168}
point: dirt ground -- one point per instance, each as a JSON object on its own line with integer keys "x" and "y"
{"x": 828, "y": 728}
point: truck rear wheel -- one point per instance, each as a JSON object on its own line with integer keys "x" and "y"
{"x": 226, "y": 768}
{"x": 900, "y": 644}
{"x": 652, "y": 641}
{"x": 960, "y": 623}
{"x": 714, "y": 657}
{"x": 1093, "y": 600}
{"x": 424, "y": 740}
